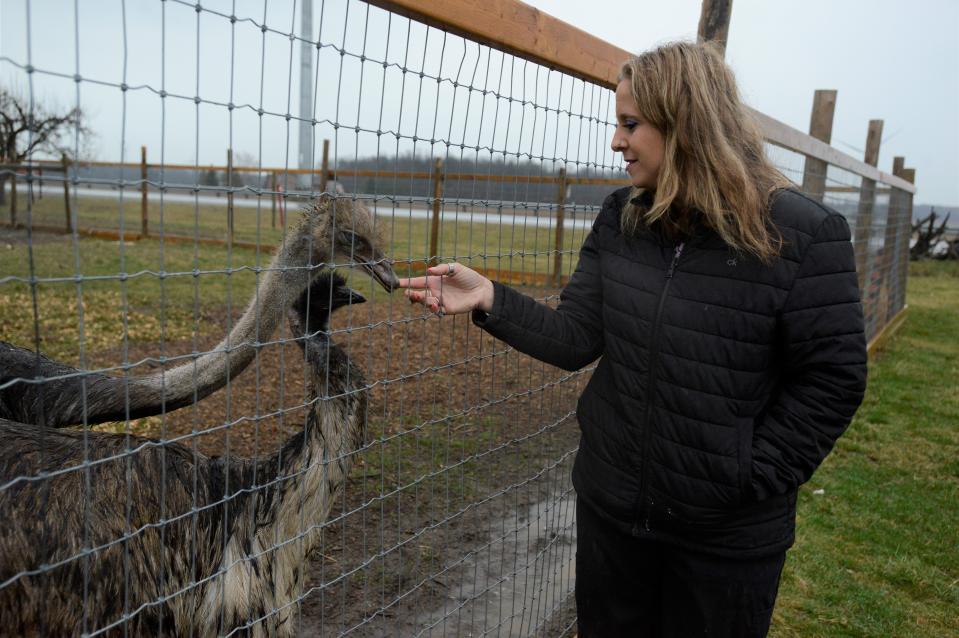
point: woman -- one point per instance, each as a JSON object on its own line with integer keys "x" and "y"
{"x": 725, "y": 309}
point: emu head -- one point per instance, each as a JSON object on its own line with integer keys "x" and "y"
{"x": 344, "y": 232}
{"x": 311, "y": 312}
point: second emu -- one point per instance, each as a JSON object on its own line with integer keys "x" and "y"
{"x": 164, "y": 540}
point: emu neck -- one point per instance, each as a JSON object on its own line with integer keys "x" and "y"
{"x": 312, "y": 465}
{"x": 282, "y": 283}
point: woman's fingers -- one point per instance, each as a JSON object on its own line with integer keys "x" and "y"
{"x": 448, "y": 289}
{"x": 422, "y": 296}
{"x": 417, "y": 282}
{"x": 441, "y": 270}
{"x": 416, "y": 296}
{"x": 434, "y": 303}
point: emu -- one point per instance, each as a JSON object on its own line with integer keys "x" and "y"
{"x": 182, "y": 544}
{"x": 331, "y": 230}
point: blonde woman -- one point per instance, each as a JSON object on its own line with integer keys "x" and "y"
{"x": 724, "y": 308}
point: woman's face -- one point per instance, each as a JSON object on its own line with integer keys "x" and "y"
{"x": 641, "y": 144}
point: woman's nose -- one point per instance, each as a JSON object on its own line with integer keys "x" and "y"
{"x": 616, "y": 143}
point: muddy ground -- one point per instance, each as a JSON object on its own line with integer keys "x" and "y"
{"x": 458, "y": 517}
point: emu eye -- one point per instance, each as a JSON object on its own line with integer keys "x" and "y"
{"x": 347, "y": 237}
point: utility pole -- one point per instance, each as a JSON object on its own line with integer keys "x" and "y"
{"x": 306, "y": 88}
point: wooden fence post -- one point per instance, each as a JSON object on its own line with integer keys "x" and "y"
{"x": 714, "y": 22}
{"x": 435, "y": 222}
{"x": 898, "y": 230}
{"x": 66, "y": 191}
{"x": 229, "y": 195}
{"x": 325, "y": 166}
{"x": 144, "y": 208}
{"x": 909, "y": 174}
{"x": 273, "y": 199}
{"x": 867, "y": 198}
{"x": 13, "y": 198}
{"x": 558, "y": 253}
{"x": 820, "y": 127}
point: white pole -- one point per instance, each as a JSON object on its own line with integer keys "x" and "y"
{"x": 306, "y": 87}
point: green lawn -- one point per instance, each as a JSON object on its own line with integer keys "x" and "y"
{"x": 175, "y": 306}
{"x": 877, "y": 553}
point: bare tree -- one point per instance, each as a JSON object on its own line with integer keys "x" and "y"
{"x": 27, "y": 129}
{"x": 928, "y": 237}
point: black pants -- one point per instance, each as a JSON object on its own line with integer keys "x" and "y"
{"x": 631, "y": 587}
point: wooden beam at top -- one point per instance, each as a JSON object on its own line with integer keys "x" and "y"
{"x": 787, "y": 137}
{"x": 515, "y": 27}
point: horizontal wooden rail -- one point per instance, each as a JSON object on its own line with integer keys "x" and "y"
{"x": 516, "y": 27}
{"x": 47, "y": 165}
{"x": 887, "y": 332}
{"x": 792, "y": 139}
{"x": 855, "y": 189}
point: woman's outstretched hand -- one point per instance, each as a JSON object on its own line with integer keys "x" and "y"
{"x": 450, "y": 289}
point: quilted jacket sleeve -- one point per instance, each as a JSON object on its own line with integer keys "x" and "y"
{"x": 824, "y": 371}
{"x": 569, "y": 336}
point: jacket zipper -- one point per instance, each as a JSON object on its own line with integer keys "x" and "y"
{"x": 650, "y": 395}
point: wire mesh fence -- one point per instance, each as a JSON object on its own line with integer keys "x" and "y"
{"x": 218, "y": 464}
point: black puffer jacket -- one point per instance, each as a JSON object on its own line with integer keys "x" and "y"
{"x": 723, "y": 383}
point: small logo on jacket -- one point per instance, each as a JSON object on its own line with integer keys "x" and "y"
{"x": 731, "y": 262}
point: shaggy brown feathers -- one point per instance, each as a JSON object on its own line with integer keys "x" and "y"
{"x": 100, "y": 530}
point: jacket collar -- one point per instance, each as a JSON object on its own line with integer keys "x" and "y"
{"x": 700, "y": 232}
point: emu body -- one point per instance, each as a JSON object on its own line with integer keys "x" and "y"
{"x": 166, "y": 541}
{"x": 341, "y": 231}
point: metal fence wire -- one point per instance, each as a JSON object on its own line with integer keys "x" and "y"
{"x": 221, "y": 464}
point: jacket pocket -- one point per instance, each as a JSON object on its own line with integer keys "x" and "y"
{"x": 693, "y": 516}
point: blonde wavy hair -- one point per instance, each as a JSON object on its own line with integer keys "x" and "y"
{"x": 714, "y": 160}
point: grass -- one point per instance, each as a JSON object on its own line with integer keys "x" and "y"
{"x": 877, "y": 552}
{"x": 149, "y": 308}
{"x": 172, "y": 308}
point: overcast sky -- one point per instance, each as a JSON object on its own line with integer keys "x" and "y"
{"x": 894, "y": 60}
{"x": 889, "y": 59}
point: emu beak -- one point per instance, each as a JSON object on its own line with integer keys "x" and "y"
{"x": 356, "y": 297}
{"x": 381, "y": 269}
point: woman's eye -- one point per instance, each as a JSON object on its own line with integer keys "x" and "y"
{"x": 629, "y": 125}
